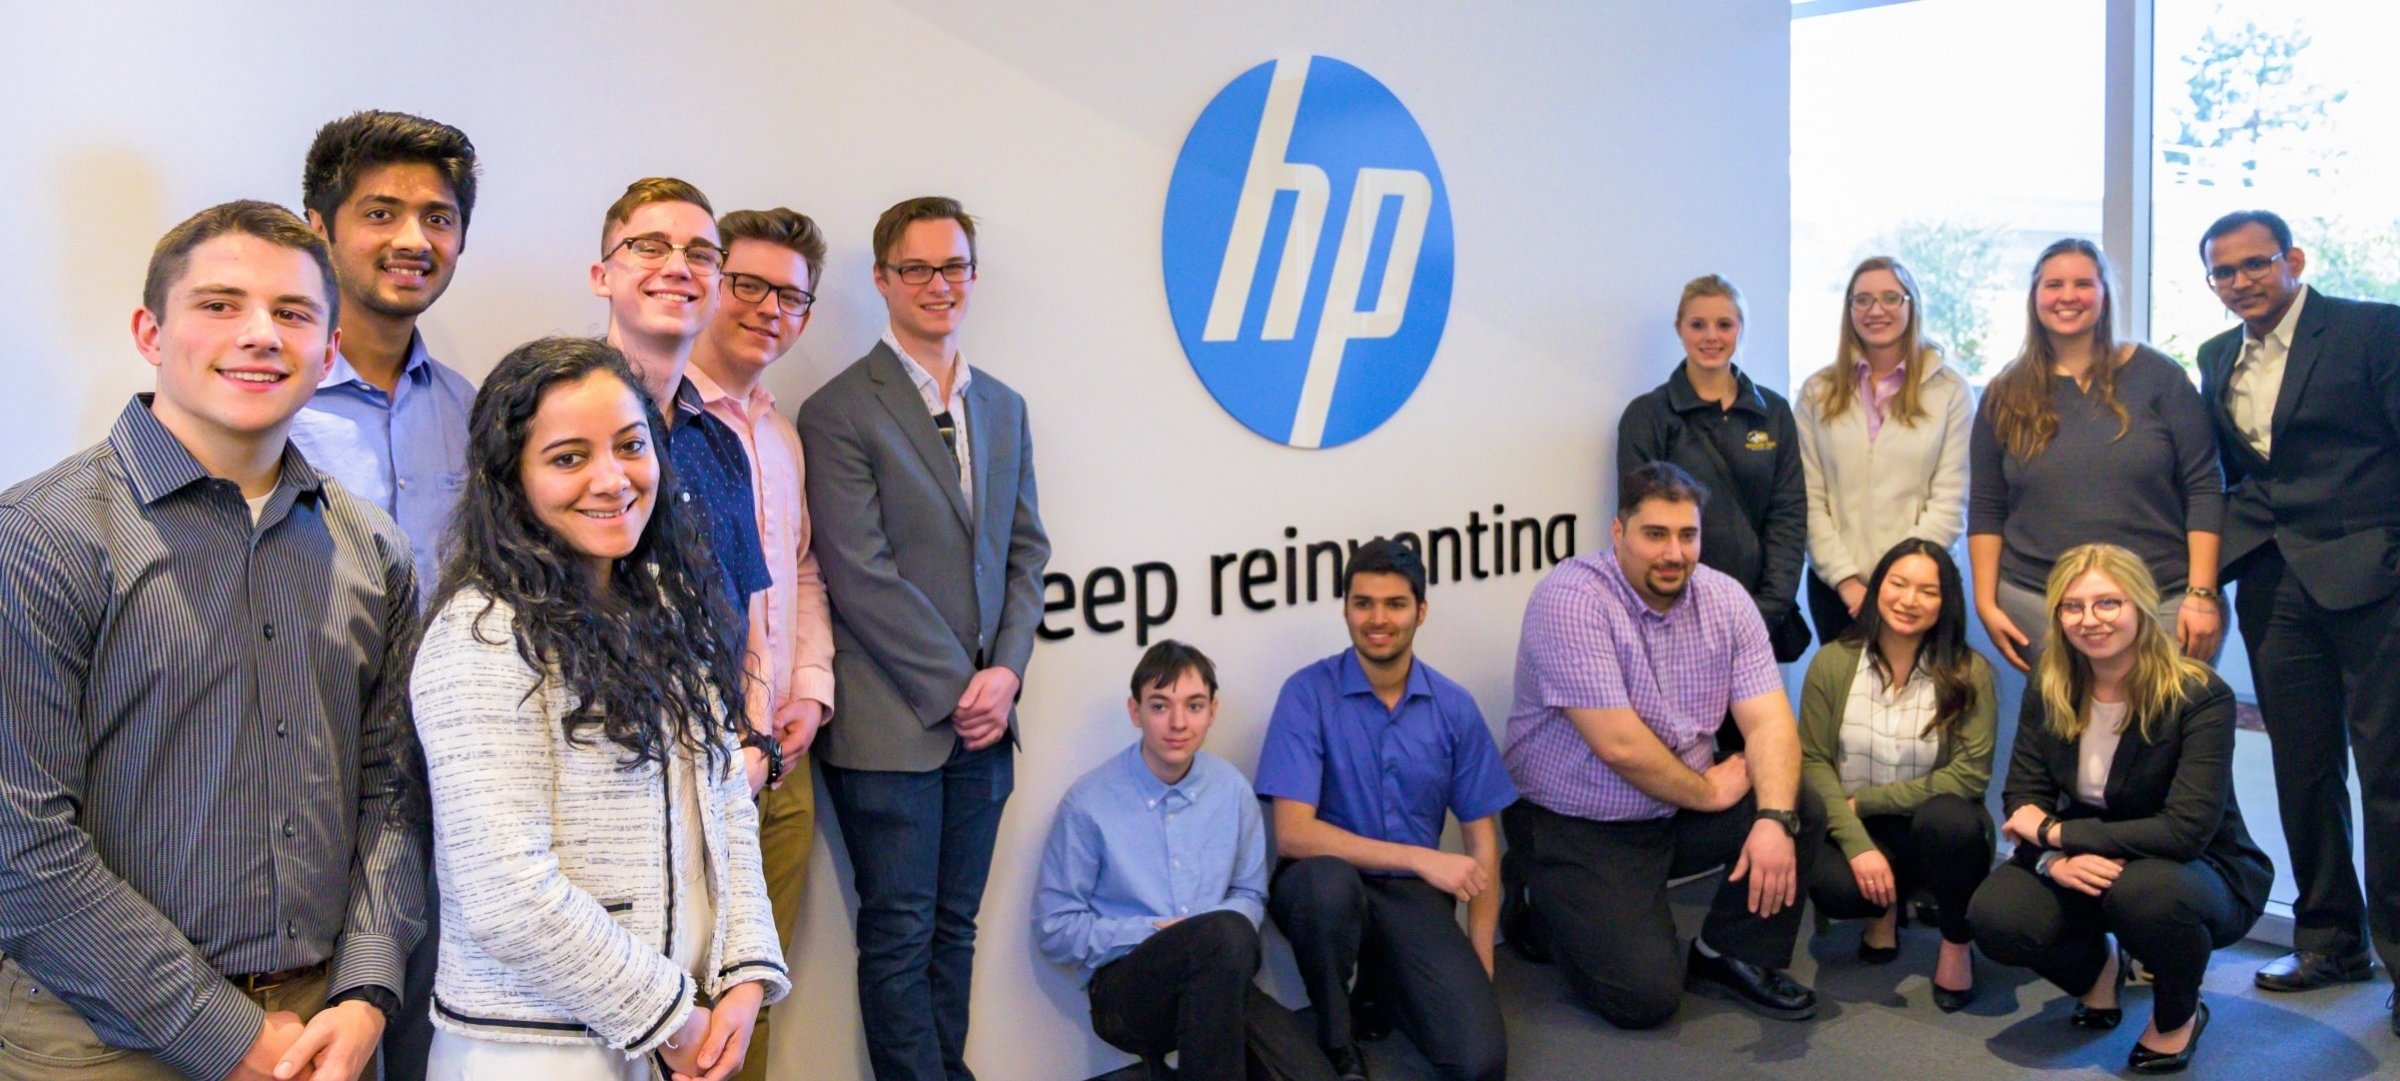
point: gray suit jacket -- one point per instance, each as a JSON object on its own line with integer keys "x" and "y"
{"x": 924, "y": 591}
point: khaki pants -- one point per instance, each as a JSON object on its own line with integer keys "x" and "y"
{"x": 44, "y": 1039}
{"x": 787, "y": 827}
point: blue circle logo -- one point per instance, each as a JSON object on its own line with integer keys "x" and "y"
{"x": 1307, "y": 251}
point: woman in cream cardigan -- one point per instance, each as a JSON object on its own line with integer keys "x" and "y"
{"x": 603, "y": 911}
{"x": 1883, "y": 442}
{"x": 1896, "y": 724}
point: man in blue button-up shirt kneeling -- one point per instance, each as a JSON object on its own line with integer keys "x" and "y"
{"x": 1153, "y": 883}
{"x": 1367, "y": 752}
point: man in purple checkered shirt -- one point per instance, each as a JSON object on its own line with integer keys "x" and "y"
{"x": 1629, "y": 662}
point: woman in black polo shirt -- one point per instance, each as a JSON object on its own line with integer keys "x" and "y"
{"x": 1739, "y": 439}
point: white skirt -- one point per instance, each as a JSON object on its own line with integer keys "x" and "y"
{"x": 454, "y": 1057}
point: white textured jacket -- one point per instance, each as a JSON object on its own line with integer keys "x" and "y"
{"x": 1864, "y": 497}
{"x": 556, "y": 900}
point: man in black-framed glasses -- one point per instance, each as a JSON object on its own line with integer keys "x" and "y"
{"x": 2306, "y": 398}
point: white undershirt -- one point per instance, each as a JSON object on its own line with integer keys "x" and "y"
{"x": 2097, "y": 750}
{"x": 1884, "y": 736}
{"x": 258, "y": 505}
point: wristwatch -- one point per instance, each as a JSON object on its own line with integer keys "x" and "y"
{"x": 766, "y": 745}
{"x": 1789, "y": 820}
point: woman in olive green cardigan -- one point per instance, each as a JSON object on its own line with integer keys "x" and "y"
{"x": 1896, "y": 731}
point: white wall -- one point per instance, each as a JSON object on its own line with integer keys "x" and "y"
{"x": 1596, "y": 155}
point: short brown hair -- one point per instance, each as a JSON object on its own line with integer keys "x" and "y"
{"x": 782, "y": 227}
{"x": 908, "y": 212}
{"x": 648, "y": 190}
{"x": 249, "y": 217}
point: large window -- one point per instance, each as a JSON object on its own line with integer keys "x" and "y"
{"x": 1961, "y": 136}
{"x": 2287, "y": 105}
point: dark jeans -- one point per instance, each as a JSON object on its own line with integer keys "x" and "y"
{"x": 410, "y": 1035}
{"x": 920, "y": 848}
{"x": 1187, "y": 989}
{"x": 1426, "y": 967}
{"x": 1944, "y": 848}
{"x": 1599, "y": 897}
{"x": 2328, "y": 688}
{"x": 2168, "y": 915}
{"x": 1826, "y": 612}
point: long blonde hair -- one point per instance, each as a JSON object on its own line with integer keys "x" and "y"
{"x": 2022, "y": 414}
{"x": 1836, "y": 390}
{"x": 2161, "y": 674}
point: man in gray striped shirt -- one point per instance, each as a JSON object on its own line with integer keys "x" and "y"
{"x": 211, "y": 825}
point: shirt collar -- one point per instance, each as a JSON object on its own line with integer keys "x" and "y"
{"x": 922, "y": 378}
{"x": 1683, "y": 399}
{"x": 1614, "y": 575}
{"x": 1353, "y": 678}
{"x": 158, "y": 465}
{"x": 2282, "y": 334}
{"x": 414, "y": 369}
{"x": 710, "y": 393}
{"x": 1154, "y": 791}
{"x": 687, "y": 396}
{"x": 1890, "y": 381}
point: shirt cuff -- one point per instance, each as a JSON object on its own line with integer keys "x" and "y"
{"x": 814, "y": 683}
{"x": 213, "y": 1040}
{"x": 365, "y": 961}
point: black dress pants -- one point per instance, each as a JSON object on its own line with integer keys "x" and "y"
{"x": 1826, "y": 612}
{"x": 1599, "y": 898}
{"x": 1945, "y": 847}
{"x": 2168, "y": 915}
{"x": 1426, "y": 968}
{"x": 1188, "y": 989}
{"x": 2329, "y": 687}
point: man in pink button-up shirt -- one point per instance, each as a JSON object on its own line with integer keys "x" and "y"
{"x": 772, "y": 263}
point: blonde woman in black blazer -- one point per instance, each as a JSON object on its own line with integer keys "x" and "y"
{"x": 2120, "y": 798}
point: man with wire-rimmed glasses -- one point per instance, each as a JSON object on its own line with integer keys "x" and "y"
{"x": 660, "y": 261}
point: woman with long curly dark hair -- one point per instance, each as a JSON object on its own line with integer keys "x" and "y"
{"x": 597, "y": 850}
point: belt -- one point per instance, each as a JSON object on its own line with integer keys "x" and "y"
{"x": 267, "y": 981}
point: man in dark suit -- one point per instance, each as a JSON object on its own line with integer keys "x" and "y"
{"x": 920, "y": 481}
{"x": 2306, "y": 395}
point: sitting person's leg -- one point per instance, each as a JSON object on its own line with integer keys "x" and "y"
{"x": 2171, "y": 916}
{"x": 2022, "y": 919}
{"x": 1444, "y": 998}
{"x": 1760, "y": 943}
{"x": 1321, "y": 907}
{"x": 1599, "y": 898}
{"x": 1185, "y": 989}
{"x": 1950, "y": 854}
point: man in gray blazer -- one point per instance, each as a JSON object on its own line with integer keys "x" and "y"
{"x": 920, "y": 481}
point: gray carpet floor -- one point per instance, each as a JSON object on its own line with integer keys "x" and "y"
{"x": 1880, "y": 1022}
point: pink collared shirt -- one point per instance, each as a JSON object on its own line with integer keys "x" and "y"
{"x": 1877, "y": 394}
{"x": 791, "y": 625}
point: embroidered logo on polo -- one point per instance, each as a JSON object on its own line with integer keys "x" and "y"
{"x": 1309, "y": 336}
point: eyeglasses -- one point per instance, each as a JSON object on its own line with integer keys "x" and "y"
{"x": 1867, "y": 302}
{"x": 752, "y": 289}
{"x": 2225, "y": 273}
{"x": 920, "y": 273}
{"x": 704, "y": 258}
{"x": 2104, "y": 608}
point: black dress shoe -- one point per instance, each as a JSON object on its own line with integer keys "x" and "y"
{"x": 1348, "y": 1064}
{"x": 1757, "y": 988}
{"x": 2099, "y": 1020}
{"x": 2145, "y": 1060}
{"x": 1516, "y": 927}
{"x": 2307, "y": 970}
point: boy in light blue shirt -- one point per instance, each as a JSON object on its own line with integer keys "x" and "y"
{"x": 1153, "y": 883}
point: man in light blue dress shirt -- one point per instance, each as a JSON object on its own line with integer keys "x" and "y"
{"x": 1153, "y": 884}
{"x": 391, "y": 194}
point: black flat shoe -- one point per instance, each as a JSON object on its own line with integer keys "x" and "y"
{"x": 1877, "y": 955}
{"x": 2145, "y": 1060}
{"x": 1952, "y": 1001}
{"x": 2307, "y": 970}
{"x": 1757, "y": 988}
{"x": 2099, "y": 1020}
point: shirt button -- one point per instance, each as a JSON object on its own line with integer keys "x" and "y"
{"x": 287, "y": 827}
{"x": 269, "y": 631}
{"x": 404, "y": 482}
{"x": 283, "y": 728}
{"x": 291, "y": 930}
{"x": 1183, "y": 910}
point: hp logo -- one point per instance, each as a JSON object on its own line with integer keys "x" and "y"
{"x": 1309, "y": 336}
